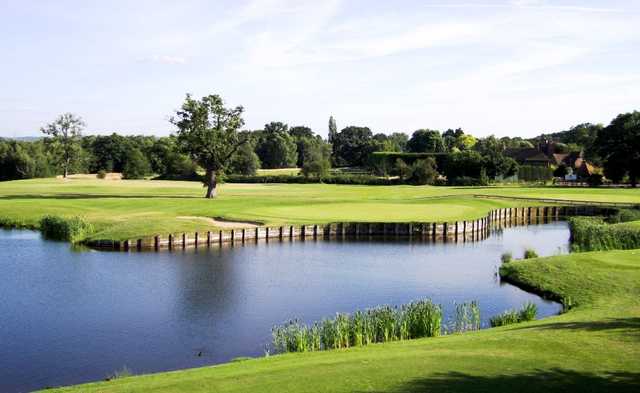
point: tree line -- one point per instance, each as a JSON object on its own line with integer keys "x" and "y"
{"x": 210, "y": 136}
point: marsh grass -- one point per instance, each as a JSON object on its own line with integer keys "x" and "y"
{"x": 381, "y": 324}
{"x": 72, "y": 229}
{"x": 506, "y": 257}
{"x": 466, "y": 317}
{"x": 595, "y": 234}
{"x": 530, "y": 253}
{"x": 528, "y": 312}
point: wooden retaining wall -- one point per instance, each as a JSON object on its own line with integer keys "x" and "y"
{"x": 458, "y": 231}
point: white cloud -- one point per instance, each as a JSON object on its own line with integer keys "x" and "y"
{"x": 164, "y": 59}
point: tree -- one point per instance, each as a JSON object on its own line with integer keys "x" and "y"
{"x": 301, "y": 134}
{"x": 137, "y": 165}
{"x": 317, "y": 158}
{"x": 208, "y": 133}
{"x": 426, "y": 141}
{"x": 618, "y": 145}
{"x": 245, "y": 161}
{"x": 424, "y": 171}
{"x": 333, "y": 129}
{"x": 352, "y": 146}
{"x": 561, "y": 171}
{"x": 276, "y": 147}
{"x": 65, "y": 133}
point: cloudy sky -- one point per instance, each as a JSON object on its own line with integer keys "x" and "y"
{"x": 491, "y": 67}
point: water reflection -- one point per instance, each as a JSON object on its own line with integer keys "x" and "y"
{"x": 70, "y": 317}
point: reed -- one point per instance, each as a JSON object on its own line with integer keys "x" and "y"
{"x": 528, "y": 312}
{"x": 380, "y": 324}
{"x": 530, "y": 253}
{"x": 506, "y": 257}
{"x": 594, "y": 234}
{"x": 466, "y": 318}
{"x": 72, "y": 229}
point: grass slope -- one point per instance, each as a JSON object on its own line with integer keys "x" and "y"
{"x": 595, "y": 347}
{"x": 128, "y": 209}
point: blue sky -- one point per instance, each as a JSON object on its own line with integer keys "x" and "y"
{"x": 491, "y": 67}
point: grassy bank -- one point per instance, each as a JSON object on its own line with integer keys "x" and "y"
{"x": 594, "y": 347}
{"x": 126, "y": 209}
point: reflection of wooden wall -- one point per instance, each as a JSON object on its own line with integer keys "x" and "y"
{"x": 459, "y": 231}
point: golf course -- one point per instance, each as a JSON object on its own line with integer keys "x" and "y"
{"x": 593, "y": 346}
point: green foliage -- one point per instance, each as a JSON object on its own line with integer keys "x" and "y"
{"x": 465, "y": 165}
{"x": 528, "y": 312}
{"x": 618, "y": 145}
{"x": 245, "y": 161}
{"x": 352, "y": 146}
{"x": 137, "y": 166}
{"x": 624, "y": 215}
{"x": 329, "y": 179}
{"x": 208, "y": 133}
{"x": 426, "y": 141}
{"x": 64, "y": 139}
{"x": 561, "y": 171}
{"x": 101, "y": 174}
{"x": 275, "y": 147}
{"x": 424, "y": 171}
{"x": 594, "y": 234}
{"x": 72, "y": 229}
{"x": 595, "y": 180}
{"x": 467, "y": 317}
{"x": 506, "y": 257}
{"x": 317, "y": 159}
{"x": 381, "y": 324}
{"x": 530, "y": 253}
{"x": 25, "y": 160}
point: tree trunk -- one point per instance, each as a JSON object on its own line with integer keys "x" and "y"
{"x": 211, "y": 184}
{"x": 64, "y": 175}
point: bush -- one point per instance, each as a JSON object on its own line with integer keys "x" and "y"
{"x": 528, "y": 312}
{"x": 624, "y": 215}
{"x": 530, "y": 253}
{"x": 137, "y": 165}
{"x": 506, "y": 257}
{"x": 466, "y": 181}
{"x": 330, "y": 179}
{"x": 101, "y": 174}
{"x": 594, "y": 234}
{"x": 72, "y": 229}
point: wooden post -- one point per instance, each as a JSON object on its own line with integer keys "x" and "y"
{"x": 170, "y": 241}
{"x": 156, "y": 242}
{"x": 195, "y": 239}
{"x": 139, "y": 244}
{"x": 184, "y": 240}
{"x": 220, "y": 237}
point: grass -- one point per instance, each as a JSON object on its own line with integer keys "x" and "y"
{"x": 127, "y": 209}
{"x": 594, "y": 347}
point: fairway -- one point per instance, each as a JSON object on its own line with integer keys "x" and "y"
{"x": 594, "y": 347}
{"x": 139, "y": 208}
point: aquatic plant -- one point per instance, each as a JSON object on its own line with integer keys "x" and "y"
{"x": 71, "y": 229}
{"x": 594, "y": 234}
{"x": 530, "y": 253}
{"x": 528, "y": 312}
{"x": 380, "y": 324}
{"x": 466, "y": 317}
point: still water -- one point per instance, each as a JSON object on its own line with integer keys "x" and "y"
{"x": 68, "y": 317}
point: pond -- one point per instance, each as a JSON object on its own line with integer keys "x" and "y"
{"x": 68, "y": 317}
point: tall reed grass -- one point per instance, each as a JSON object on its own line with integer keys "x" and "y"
{"x": 528, "y": 312}
{"x": 72, "y": 229}
{"x": 381, "y": 324}
{"x": 595, "y": 234}
{"x": 466, "y": 317}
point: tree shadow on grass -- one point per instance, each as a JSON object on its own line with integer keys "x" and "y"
{"x": 540, "y": 381}
{"x": 628, "y": 326}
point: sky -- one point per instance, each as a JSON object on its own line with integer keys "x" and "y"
{"x": 517, "y": 68}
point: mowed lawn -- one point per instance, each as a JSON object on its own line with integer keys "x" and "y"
{"x": 595, "y": 347}
{"x": 128, "y": 209}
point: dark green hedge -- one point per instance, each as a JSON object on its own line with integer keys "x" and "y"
{"x": 331, "y": 179}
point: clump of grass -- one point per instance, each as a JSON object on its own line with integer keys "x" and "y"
{"x": 506, "y": 257}
{"x": 101, "y": 174}
{"x": 528, "y": 312}
{"x": 381, "y": 324}
{"x": 594, "y": 234}
{"x": 71, "y": 229}
{"x": 122, "y": 373}
{"x": 467, "y": 317}
{"x": 530, "y": 253}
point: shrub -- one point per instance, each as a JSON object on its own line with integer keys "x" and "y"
{"x": 530, "y": 253}
{"x": 72, "y": 229}
{"x": 101, "y": 174}
{"x": 137, "y": 165}
{"x": 594, "y": 180}
{"x": 624, "y": 215}
{"x": 506, "y": 257}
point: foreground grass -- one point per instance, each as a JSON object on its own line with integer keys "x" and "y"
{"x": 128, "y": 209}
{"x": 595, "y": 347}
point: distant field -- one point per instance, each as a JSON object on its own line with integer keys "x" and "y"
{"x": 136, "y": 208}
{"x": 595, "y": 347}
